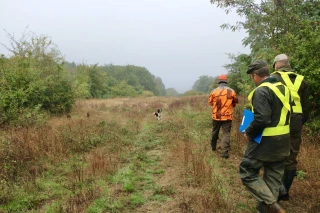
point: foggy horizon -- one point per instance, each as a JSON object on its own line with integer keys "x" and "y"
{"x": 178, "y": 41}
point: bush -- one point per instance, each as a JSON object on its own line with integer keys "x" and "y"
{"x": 147, "y": 94}
{"x": 33, "y": 79}
{"x": 192, "y": 92}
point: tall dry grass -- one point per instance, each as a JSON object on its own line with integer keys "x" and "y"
{"x": 95, "y": 147}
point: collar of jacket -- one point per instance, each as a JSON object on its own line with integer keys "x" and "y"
{"x": 285, "y": 69}
{"x": 222, "y": 84}
{"x": 269, "y": 79}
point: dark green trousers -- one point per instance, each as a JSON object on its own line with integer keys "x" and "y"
{"x": 291, "y": 161}
{"x": 225, "y": 142}
{"x": 264, "y": 189}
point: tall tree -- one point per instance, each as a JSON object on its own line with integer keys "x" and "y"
{"x": 171, "y": 92}
{"x": 160, "y": 86}
{"x": 269, "y": 21}
{"x": 237, "y": 76}
{"x": 281, "y": 26}
{"x": 203, "y": 84}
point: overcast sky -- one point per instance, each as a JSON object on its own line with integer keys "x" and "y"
{"x": 176, "y": 40}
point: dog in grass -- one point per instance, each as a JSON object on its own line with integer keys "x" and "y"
{"x": 157, "y": 114}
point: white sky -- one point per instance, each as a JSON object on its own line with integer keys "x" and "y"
{"x": 176, "y": 40}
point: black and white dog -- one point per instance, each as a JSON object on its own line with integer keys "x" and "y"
{"x": 157, "y": 114}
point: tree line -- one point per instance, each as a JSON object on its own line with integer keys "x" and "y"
{"x": 37, "y": 78}
{"x": 36, "y": 81}
{"x": 109, "y": 81}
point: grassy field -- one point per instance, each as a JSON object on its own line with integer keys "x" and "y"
{"x": 114, "y": 156}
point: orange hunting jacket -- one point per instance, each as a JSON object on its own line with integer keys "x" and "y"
{"x": 222, "y": 99}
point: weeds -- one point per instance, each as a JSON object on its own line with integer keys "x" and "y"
{"x": 164, "y": 190}
{"x": 105, "y": 205}
{"x": 301, "y": 175}
{"x": 120, "y": 159}
{"x": 137, "y": 199}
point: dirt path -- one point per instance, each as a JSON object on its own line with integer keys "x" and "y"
{"x": 183, "y": 195}
{"x": 168, "y": 181}
{"x": 179, "y": 173}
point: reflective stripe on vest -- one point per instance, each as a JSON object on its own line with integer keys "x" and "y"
{"x": 294, "y": 88}
{"x": 281, "y": 127}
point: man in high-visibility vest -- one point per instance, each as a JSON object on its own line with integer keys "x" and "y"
{"x": 300, "y": 114}
{"x": 222, "y": 99}
{"x": 271, "y": 106}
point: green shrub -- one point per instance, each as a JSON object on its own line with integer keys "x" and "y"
{"x": 32, "y": 80}
{"x": 147, "y": 94}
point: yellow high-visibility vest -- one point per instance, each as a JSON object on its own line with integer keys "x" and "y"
{"x": 281, "y": 128}
{"x": 294, "y": 88}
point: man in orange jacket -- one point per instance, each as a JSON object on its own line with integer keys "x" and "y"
{"x": 222, "y": 99}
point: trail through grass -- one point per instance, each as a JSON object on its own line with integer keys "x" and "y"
{"x": 122, "y": 159}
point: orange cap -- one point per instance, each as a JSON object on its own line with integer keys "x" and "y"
{"x": 222, "y": 77}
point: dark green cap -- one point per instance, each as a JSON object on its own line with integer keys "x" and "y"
{"x": 256, "y": 66}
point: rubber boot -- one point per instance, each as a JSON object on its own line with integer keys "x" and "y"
{"x": 273, "y": 208}
{"x": 291, "y": 175}
{"x": 276, "y": 208}
{"x": 286, "y": 184}
{"x": 225, "y": 155}
{"x": 262, "y": 207}
{"x": 283, "y": 192}
{"x": 214, "y": 145}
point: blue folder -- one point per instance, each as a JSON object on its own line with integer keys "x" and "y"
{"x": 246, "y": 120}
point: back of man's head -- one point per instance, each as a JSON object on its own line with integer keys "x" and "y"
{"x": 280, "y": 61}
{"x": 222, "y": 79}
{"x": 259, "y": 67}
